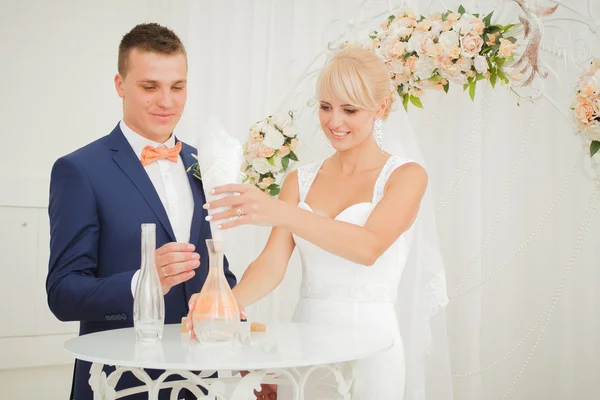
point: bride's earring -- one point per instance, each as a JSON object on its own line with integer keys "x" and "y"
{"x": 378, "y": 133}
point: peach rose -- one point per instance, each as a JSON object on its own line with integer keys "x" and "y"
{"x": 584, "y": 111}
{"x": 453, "y": 17}
{"x": 435, "y": 17}
{"x": 410, "y": 63}
{"x": 398, "y": 48}
{"x": 471, "y": 44}
{"x": 284, "y": 151}
{"x": 265, "y": 151}
{"x": 477, "y": 26}
{"x": 492, "y": 38}
{"x": 447, "y": 25}
{"x": 506, "y": 48}
{"x": 293, "y": 144}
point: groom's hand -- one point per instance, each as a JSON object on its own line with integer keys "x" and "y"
{"x": 175, "y": 263}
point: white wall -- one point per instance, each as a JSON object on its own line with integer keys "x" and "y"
{"x": 58, "y": 61}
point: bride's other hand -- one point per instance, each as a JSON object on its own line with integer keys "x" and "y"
{"x": 252, "y": 206}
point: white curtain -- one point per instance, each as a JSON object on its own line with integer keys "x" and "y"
{"x": 516, "y": 211}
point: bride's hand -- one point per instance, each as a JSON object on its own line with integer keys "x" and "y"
{"x": 252, "y": 206}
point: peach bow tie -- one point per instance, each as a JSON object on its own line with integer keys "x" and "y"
{"x": 151, "y": 154}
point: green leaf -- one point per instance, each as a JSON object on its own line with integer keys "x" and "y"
{"x": 271, "y": 161}
{"x": 466, "y": 85}
{"x": 493, "y": 77}
{"x": 373, "y": 37}
{"x": 416, "y": 101}
{"x": 248, "y": 167}
{"x": 435, "y": 78}
{"x": 476, "y": 15}
{"x": 511, "y": 39}
{"x": 274, "y": 189}
{"x": 446, "y": 87}
{"x": 493, "y": 29}
{"x": 461, "y": 9}
{"x": 488, "y": 19}
{"x": 406, "y": 55}
{"x": 405, "y": 101}
{"x": 293, "y": 156}
{"x": 508, "y": 27}
{"x": 285, "y": 161}
{"x": 391, "y": 18}
{"x": 502, "y": 75}
{"x": 480, "y": 77}
{"x": 472, "y": 90}
{"x": 594, "y": 147}
{"x": 246, "y": 179}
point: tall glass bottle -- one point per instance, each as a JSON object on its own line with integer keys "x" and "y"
{"x": 148, "y": 302}
{"x": 216, "y": 316}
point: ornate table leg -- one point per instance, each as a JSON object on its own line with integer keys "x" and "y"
{"x": 103, "y": 386}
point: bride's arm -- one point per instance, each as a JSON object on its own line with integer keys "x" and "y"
{"x": 392, "y": 216}
{"x": 266, "y": 272}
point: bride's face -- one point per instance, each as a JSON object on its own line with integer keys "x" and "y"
{"x": 345, "y": 126}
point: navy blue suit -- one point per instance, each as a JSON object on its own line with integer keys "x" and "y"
{"x": 100, "y": 195}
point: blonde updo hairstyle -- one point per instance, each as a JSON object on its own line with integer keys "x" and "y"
{"x": 358, "y": 77}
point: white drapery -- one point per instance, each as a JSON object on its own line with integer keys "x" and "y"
{"x": 515, "y": 204}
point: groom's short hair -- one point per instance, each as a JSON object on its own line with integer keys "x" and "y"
{"x": 150, "y": 37}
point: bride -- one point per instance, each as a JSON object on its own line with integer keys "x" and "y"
{"x": 351, "y": 217}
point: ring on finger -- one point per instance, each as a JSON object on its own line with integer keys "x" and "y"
{"x": 239, "y": 213}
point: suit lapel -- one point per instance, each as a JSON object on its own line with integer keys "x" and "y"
{"x": 197, "y": 191}
{"x": 132, "y": 167}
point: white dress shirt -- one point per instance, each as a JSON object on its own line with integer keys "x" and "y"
{"x": 170, "y": 180}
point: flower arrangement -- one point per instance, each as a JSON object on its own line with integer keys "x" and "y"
{"x": 586, "y": 105}
{"x": 268, "y": 150}
{"x": 451, "y": 47}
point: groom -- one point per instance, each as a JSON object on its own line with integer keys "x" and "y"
{"x": 101, "y": 194}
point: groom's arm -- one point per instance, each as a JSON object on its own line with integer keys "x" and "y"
{"x": 74, "y": 292}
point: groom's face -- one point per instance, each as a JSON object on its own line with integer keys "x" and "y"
{"x": 154, "y": 92}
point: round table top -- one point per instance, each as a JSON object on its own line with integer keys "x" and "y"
{"x": 283, "y": 345}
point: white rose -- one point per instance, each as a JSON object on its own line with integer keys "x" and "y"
{"x": 281, "y": 121}
{"x": 592, "y": 131}
{"x": 436, "y": 27}
{"x": 414, "y": 43}
{"x": 273, "y": 138}
{"x": 464, "y": 64}
{"x": 261, "y": 126}
{"x": 481, "y": 64}
{"x": 277, "y": 164}
{"x": 261, "y": 165}
{"x": 401, "y": 32}
{"x": 449, "y": 40}
{"x": 424, "y": 68}
{"x": 289, "y": 131}
{"x": 463, "y": 26}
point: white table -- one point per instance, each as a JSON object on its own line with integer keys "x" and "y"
{"x": 277, "y": 356}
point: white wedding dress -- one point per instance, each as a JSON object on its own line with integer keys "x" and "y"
{"x": 337, "y": 291}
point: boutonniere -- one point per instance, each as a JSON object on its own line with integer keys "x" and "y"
{"x": 195, "y": 168}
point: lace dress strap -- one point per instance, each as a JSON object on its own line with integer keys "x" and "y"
{"x": 390, "y": 166}
{"x": 306, "y": 177}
